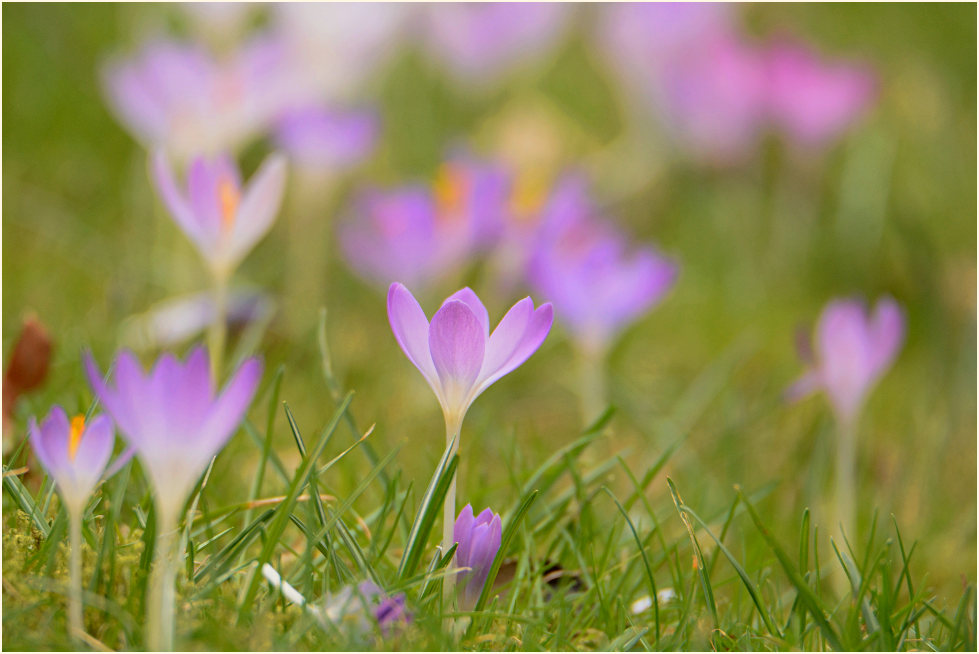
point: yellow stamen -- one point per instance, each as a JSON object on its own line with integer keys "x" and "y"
{"x": 451, "y": 187}
{"x": 75, "y": 435}
{"x": 229, "y": 198}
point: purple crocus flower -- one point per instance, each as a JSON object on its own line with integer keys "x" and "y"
{"x": 482, "y": 42}
{"x": 320, "y": 138}
{"x": 479, "y": 540}
{"x": 223, "y": 219}
{"x": 687, "y": 63}
{"x": 853, "y": 350}
{"x": 456, "y": 353}
{"x": 416, "y": 234}
{"x": 643, "y": 39}
{"x": 582, "y": 264}
{"x": 178, "y": 96}
{"x": 812, "y": 100}
{"x": 172, "y": 417}
{"x": 713, "y": 100}
{"x": 75, "y": 453}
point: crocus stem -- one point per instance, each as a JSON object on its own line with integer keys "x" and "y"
{"x": 75, "y": 570}
{"x": 592, "y": 384}
{"x": 452, "y": 429}
{"x": 218, "y": 331}
{"x": 160, "y": 607}
{"x": 846, "y": 471}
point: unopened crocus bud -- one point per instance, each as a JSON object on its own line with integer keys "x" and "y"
{"x": 479, "y": 540}
{"x": 28, "y": 365}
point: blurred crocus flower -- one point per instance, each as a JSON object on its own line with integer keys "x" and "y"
{"x": 172, "y": 417}
{"x": 222, "y": 218}
{"x": 456, "y": 353}
{"x": 853, "y": 349}
{"x": 74, "y": 452}
{"x": 178, "y": 96}
{"x": 812, "y": 100}
{"x": 713, "y": 100}
{"x": 481, "y": 42}
{"x": 417, "y": 234}
{"x": 324, "y": 139}
{"x": 335, "y": 48}
{"x": 479, "y": 540}
{"x": 174, "y": 321}
{"x": 348, "y": 605}
{"x": 641, "y": 40}
{"x": 687, "y": 65}
{"x": 583, "y": 265}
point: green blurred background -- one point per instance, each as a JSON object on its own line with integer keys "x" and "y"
{"x": 762, "y": 246}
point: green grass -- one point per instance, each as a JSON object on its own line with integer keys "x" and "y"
{"x": 699, "y": 461}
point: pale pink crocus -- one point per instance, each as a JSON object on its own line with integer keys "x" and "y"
{"x": 222, "y": 217}
{"x": 853, "y": 349}
{"x": 813, "y": 100}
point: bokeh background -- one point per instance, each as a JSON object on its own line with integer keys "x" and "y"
{"x": 763, "y": 239}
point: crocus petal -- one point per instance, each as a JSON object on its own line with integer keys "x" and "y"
{"x": 94, "y": 449}
{"x": 457, "y": 342}
{"x": 39, "y": 439}
{"x": 486, "y": 543}
{"x": 410, "y": 327}
{"x": 203, "y": 194}
{"x": 485, "y": 517}
{"x": 230, "y": 407}
{"x": 467, "y": 296}
{"x": 536, "y": 331}
{"x": 507, "y": 336}
{"x": 194, "y": 394}
{"x": 178, "y": 206}
{"x": 259, "y": 207}
{"x": 461, "y": 532}
{"x": 886, "y": 333}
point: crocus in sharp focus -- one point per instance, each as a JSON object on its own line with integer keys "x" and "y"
{"x": 222, "y": 218}
{"x": 459, "y": 357}
{"x": 75, "y": 454}
{"x": 852, "y": 350}
{"x": 813, "y": 101}
{"x": 417, "y": 234}
{"x": 176, "y": 422}
{"x": 479, "y": 540}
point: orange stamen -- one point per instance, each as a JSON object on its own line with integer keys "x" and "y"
{"x": 75, "y": 435}
{"x": 451, "y": 187}
{"x": 229, "y": 198}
